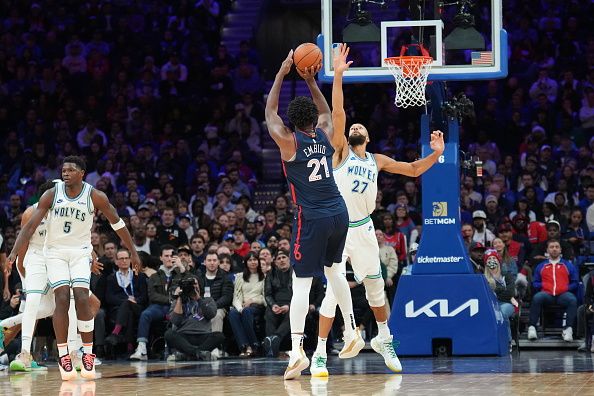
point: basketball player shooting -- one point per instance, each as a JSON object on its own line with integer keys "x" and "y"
{"x": 355, "y": 172}
{"x": 71, "y": 205}
{"x": 321, "y": 220}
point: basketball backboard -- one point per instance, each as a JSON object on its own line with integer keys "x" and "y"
{"x": 465, "y": 37}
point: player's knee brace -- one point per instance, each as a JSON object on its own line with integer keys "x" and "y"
{"x": 374, "y": 291}
{"x": 86, "y": 326}
{"x": 328, "y": 307}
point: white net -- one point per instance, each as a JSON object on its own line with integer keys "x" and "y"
{"x": 410, "y": 73}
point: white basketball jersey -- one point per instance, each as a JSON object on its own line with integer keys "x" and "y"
{"x": 38, "y": 238}
{"x": 356, "y": 179}
{"x": 70, "y": 219}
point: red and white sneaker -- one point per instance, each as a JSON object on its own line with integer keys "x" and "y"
{"x": 87, "y": 369}
{"x": 66, "y": 369}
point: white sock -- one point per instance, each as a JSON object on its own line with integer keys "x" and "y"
{"x": 340, "y": 288}
{"x": 72, "y": 328}
{"x": 383, "y": 331}
{"x": 297, "y": 343}
{"x": 29, "y": 318}
{"x": 87, "y": 347}
{"x": 62, "y": 349}
{"x": 299, "y": 303}
{"x": 142, "y": 347}
{"x": 321, "y": 348}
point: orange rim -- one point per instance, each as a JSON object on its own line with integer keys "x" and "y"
{"x": 410, "y": 65}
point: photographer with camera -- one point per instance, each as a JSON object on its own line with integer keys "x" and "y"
{"x": 191, "y": 315}
{"x": 160, "y": 286}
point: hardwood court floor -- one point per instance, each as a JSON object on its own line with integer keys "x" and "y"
{"x": 533, "y": 372}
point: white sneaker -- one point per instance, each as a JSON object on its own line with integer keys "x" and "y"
{"x": 352, "y": 346}
{"x": 532, "y": 333}
{"x": 294, "y": 370}
{"x": 87, "y": 368}
{"x": 216, "y": 354}
{"x": 67, "y": 371}
{"x": 385, "y": 347}
{"x": 567, "y": 334}
{"x": 140, "y": 353}
{"x": 318, "y": 365}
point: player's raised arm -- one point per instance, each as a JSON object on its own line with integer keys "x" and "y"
{"x": 324, "y": 114}
{"x": 417, "y": 168}
{"x": 276, "y": 128}
{"x": 339, "y": 140}
{"x": 101, "y": 202}
{"x": 45, "y": 202}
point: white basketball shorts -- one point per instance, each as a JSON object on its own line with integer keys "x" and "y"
{"x": 68, "y": 267}
{"x": 362, "y": 248}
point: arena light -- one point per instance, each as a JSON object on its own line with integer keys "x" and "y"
{"x": 464, "y": 36}
{"x": 361, "y": 27}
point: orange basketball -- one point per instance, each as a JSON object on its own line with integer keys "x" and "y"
{"x": 307, "y": 55}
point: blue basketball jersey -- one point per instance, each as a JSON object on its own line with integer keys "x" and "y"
{"x": 310, "y": 176}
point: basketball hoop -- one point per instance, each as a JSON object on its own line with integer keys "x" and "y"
{"x": 410, "y": 73}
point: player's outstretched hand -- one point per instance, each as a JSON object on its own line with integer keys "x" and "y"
{"x": 309, "y": 73}
{"x": 437, "y": 143}
{"x": 340, "y": 55}
{"x": 286, "y": 65}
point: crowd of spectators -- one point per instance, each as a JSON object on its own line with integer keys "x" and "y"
{"x": 170, "y": 125}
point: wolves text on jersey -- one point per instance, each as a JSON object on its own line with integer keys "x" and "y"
{"x": 356, "y": 170}
{"x": 70, "y": 213}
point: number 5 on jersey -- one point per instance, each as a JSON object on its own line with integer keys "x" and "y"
{"x": 67, "y": 225}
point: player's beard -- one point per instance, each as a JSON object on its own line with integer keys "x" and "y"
{"x": 357, "y": 139}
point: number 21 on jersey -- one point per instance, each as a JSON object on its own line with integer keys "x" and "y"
{"x": 317, "y": 164}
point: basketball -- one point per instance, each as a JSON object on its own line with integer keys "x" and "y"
{"x": 307, "y": 55}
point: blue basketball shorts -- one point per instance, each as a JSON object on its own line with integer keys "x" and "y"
{"x": 317, "y": 243}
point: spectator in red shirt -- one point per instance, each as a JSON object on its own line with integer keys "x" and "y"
{"x": 394, "y": 237}
{"x": 240, "y": 245}
{"x": 557, "y": 280}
